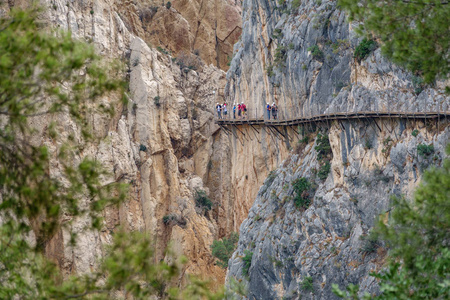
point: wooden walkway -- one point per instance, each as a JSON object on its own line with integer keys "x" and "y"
{"x": 333, "y": 116}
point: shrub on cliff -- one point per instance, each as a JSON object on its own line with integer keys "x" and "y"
{"x": 324, "y": 155}
{"x": 247, "y": 259}
{"x": 316, "y": 53}
{"x": 425, "y": 150}
{"x": 202, "y": 200}
{"x": 323, "y": 147}
{"x": 302, "y": 196}
{"x": 223, "y": 249}
{"x": 364, "y": 49}
{"x": 296, "y": 4}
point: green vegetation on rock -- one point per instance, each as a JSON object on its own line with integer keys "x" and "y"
{"x": 247, "y": 260}
{"x": 316, "y": 53}
{"x": 302, "y": 198}
{"x": 223, "y": 249}
{"x": 425, "y": 150}
{"x": 413, "y": 34}
{"x": 202, "y": 200}
{"x": 364, "y": 49}
{"x": 324, "y": 154}
{"x": 307, "y": 284}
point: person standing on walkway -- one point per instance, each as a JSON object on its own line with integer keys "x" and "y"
{"x": 274, "y": 111}
{"x": 219, "y": 110}
{"x": 234, "y": 110}
{"x": 268, "y": 107}
{"x": 225, "y": 111}
{"x": 239, "y": 110}
{"x": 244, "y": 110}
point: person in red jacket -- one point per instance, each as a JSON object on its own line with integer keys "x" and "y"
{"x": 239, "y": 111}
{"x": 244, "y": 110}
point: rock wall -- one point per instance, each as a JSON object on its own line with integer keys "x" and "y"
{"x": 323, "y": 242}
{"x": 302, "y": 59}
{"x": 280, "y": 38}
{"x": 161, "y": 144}
{"x": 208, "y": 28}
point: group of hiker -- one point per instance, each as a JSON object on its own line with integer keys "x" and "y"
{"x": 241, "y": 111}
{"x": 240, "y": 108}
{"x": 272, "y": 108}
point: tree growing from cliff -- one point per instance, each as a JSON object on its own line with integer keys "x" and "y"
{"x": 47, "y": 75}
{"x": 417, "y": 235}
{"x": 413, "y": 34}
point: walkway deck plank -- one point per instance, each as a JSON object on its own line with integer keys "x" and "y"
{"x": 336, "y": 116}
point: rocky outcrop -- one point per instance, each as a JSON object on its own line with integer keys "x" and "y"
{"x": 302, "y": 59}
{"x": 207, "y": 28}
{"x": 323, "y": 243}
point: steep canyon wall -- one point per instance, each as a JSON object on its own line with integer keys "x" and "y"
{"x": 300, "y": 56}
{"x": 164, "y": 143}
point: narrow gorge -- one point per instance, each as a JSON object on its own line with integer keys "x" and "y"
{"x": 180, "y": 59}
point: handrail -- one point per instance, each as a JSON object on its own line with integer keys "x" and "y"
{"x": 294, "y": 115}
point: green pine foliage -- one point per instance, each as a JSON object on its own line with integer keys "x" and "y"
{"x": 324, "y": 170}
{"x": 307, "y": 284}
{"x": 316, "y": 53}
{"x": 324, "y": 155}
{"x": 364, "y": 49}
{"x": 202, "y": 200}
{"x": 269, "y": 70}
{"x": 425, "y": 150}
{"x": 413, "y": 34}
{"x": 223, "y": 249}
{"x": 323, "y": 147}
{"x": 302, "y": 187}
{"x": 247, "y": 260}
{"x": 296, "y": 4}
{"x": 418, "y": 238}
{"x": 280, "y": 57}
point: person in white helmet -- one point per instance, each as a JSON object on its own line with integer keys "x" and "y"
{"x": 239, "y": 110}
{"x": 224, "y": 110}
{"x": 234, "y": 110}
{"x": 269, "y": 108}
{"x": 219, "y": 110}
{"x": 274, "y": 111}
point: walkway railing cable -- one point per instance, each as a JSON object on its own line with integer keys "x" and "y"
{"x": 294, "y": 115}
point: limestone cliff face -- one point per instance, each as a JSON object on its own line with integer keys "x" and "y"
{"x": 309, "y": 82}
{"x": 161, "y": 144}
{"x": 302, "y": 59}
{"x": 324, "y": 241}
{"x": 209, "y": 28}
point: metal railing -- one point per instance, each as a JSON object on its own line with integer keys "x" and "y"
{"x": 298, "y": 113}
